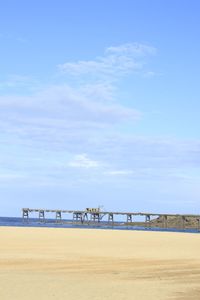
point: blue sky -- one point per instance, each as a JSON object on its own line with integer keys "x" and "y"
{"x": 99, "y": 105}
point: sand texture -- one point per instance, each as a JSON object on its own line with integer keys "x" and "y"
{"x": 48, "y": 263}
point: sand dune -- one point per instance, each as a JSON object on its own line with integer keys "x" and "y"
{"x": 46, "y": 263}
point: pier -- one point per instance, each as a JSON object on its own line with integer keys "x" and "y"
{"x": 96, "y": 216}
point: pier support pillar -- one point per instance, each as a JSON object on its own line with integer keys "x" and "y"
{"x": 110, "y": 218}
{"x": 25, "y": 215}
{"x": 84, "y": 217}
{"x": 129, "y": 218}
{"x": 147, "y": 221}
{"x": 95, "y": 217}
{"x": 58, "y": 216}
{"x": 77, "y": 217}
{"x": 41, "y": 216}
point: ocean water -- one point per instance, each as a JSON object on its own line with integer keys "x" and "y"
{"x": 51, "y": 223}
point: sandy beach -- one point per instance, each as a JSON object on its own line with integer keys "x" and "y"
{"x": 47, "y": 264}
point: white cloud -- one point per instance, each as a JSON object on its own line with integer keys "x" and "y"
{"x": 116, "y": 61}
{"x": 83, "y": 161}
{"x": 119, "y": 172}
{"x": 133, "y": 49}
{"x": 60, "y": 112}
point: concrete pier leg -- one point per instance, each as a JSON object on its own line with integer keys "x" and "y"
{"x": 25, "y": 215}
{"x": 91, "y": 217}
{"x": 110, "y": 218}
{"x": 95, "y": 217}
{"x": 84, "y": 217}
{"x": 147, "y": 221}
{"x": 58, "y": 216}
{"x": 77, "y": 217}
{"x": 129, "y": 218}
{"x": 73, "y": 217}
{"x": 98, "y": 218}
{"x": 41, "y": 216}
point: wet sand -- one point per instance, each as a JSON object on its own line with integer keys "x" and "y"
{"x": 48, "y": 263}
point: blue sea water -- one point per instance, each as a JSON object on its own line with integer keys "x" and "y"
{"x": 51, "y": 223}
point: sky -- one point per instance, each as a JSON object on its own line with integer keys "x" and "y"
{"x": 99, "y": 105}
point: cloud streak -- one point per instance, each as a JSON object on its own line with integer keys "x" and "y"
{"x": 83, "y": 161}
{"x": 61, "y": 110}
{"x": 117, "y": 61}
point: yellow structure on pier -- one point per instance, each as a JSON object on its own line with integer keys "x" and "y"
{"x": 93, "y": 210}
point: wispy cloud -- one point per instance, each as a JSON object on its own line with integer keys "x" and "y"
{"x": 60, "y": 108}
{"x": 83, "y": 161}
{"x": 118, "y": 172}
{"x": 131, "y": 49}
{"x": 117, "y": 61}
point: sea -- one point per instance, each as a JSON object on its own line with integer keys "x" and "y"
{"x": 52, "y": 223}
